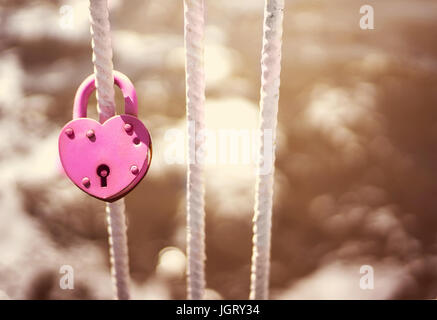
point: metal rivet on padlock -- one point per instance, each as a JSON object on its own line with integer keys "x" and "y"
{"x": 90, "y": 134}
{"x": 86, "y": 182}
{"x": 104, "y": 168}
{"x": 128, "y": 127}
{"x": 134, "y": 169}
{"x": 69, "y": 132}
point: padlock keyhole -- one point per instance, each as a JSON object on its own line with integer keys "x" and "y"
{"x": 103, "y": 173}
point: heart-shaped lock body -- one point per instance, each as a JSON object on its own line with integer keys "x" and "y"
{"x": 105, "y": 160}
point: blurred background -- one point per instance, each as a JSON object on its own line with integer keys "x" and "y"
{"x": 356, "y": 153}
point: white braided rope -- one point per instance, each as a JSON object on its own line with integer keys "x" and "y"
{"x": 102, "y": 60}
{"x": 195, "y": 98}
{"x": 118, "y": 250}
{"x": 270, "y": 79}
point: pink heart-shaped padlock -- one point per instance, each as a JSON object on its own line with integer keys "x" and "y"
{"x": 105, "y": 160}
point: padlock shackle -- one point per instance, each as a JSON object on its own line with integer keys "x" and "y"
{"x": 88, "y": 86}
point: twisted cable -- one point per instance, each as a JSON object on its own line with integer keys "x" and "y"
{"x": 195, "y": 99}
{"x": 270, "y": 80}
{"x": 102, "y": 60}
{"x": 118, "y": 250}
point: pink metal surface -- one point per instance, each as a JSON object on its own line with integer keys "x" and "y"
{"x": 88, "y": 86}
{"x": 85, "y": 144}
